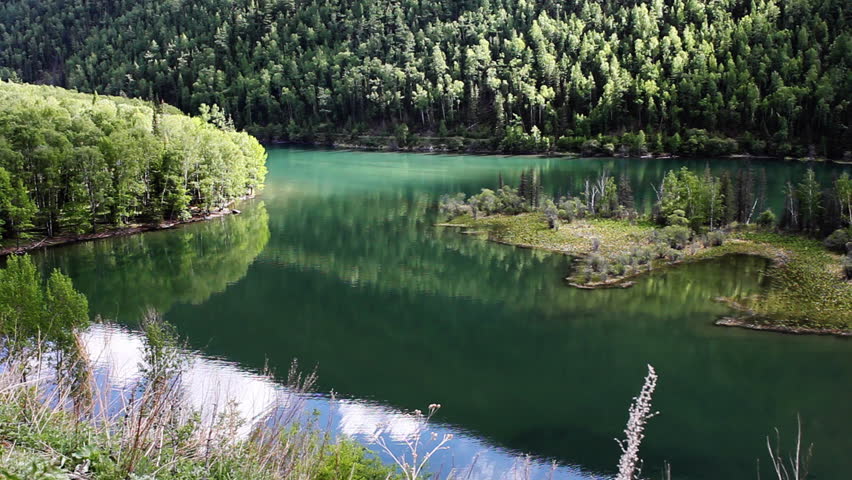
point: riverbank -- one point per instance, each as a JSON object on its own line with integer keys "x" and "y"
{"x": 68, "y": 239}
{"x": 807, "y": 292}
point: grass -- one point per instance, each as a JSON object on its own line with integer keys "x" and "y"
{"x": 807, "y": 284}
{"x": 807, "y": 290}
{"x": 57, "y": 423}
{"x": 575, "y": 238}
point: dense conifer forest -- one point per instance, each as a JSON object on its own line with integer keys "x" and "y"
{"x": 73, "y": 162}
{"x": 681, "y": 76}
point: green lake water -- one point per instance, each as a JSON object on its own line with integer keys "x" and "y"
{"x": 338, "y": 264}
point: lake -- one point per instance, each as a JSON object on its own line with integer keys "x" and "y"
{"x": 339, "y": 265}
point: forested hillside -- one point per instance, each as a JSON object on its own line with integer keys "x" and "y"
{"x": 71, "y": 161}
{"x": 684, "y": 76}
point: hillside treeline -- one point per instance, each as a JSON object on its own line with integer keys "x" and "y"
{"x": 690, "y": 76}
{"x": 73, "y": 162}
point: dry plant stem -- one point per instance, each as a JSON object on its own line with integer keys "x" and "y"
{"x": 798, "y": 464}
{"x": 413, "y": 468}
{"x": 630, "y": 466}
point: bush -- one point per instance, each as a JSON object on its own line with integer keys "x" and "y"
{"x": 716, "y": 238}
{"x": 677, "y": 236}
{"x": 766, "y": 219}
{"x": 837, "y": 241}
{"x": 641, "y": 255}
{"x": 453, "y": 205}
{"x": 673, "y": 255}
{"x": 660, "y": 250}
{"x": 677, "y": 218}
{"x": 617, "y": 269}
{"x": 597, "y": 263}
{"x": 596, "y": 244}
{"x": 552, "y": 214}
{"x": 570, "y": 144}
{"x": 571, "y": 208}
{"x": 402, "y": 135}
{"x": 590, "y": 147}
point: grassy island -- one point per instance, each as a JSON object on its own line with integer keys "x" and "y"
{"x": 810, "y": 288}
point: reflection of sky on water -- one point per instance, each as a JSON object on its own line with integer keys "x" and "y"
{"x": 210, "y": 383}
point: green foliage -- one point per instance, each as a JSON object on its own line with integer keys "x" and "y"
{"x": 517, "y": 140}
{"x": 806, "y": 288}
{"x": 677, "y": 236}
{"x": 809, "y": 195}
{"x": 291, "y": 70}
{"x": 31, "y": 309}
{"x": 688, "y": 199}
{"x": 551, "y": 213}
{"x": 843, "y": 190}
{"x": 677, "y": 219}
{"x": 715, "y": 238}
{"x": 162, "y": 356}
{"x": 16, "y": 208}
{"x": 219, "y": 253}
{"x": 47, "y": 440}
{"x": 766, "y": 218}
{"x": 402, "y": 135}
{"x": 70, "y": 161}
{"x": 453, "y": 205}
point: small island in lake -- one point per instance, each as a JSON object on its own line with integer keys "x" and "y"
{"x": 695, "y": 217}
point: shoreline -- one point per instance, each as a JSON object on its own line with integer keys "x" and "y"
{"x": 62, "y": 240}
{"x": 777, "y": 254}
{"x": 747, "y": 323}
{"x": 441, "y": 148}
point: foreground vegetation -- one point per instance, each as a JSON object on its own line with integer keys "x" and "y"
{"x": 53, "y": 429}
{"x": 73, "y": 163}
{"x": 57, "y": 420}
{"x": 686, "y": 77}
{"x": 60, "y": 418}
{"x": 693, "y": 219}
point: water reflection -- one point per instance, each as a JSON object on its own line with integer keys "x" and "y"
{"x": 124, "y": 277}
{"x": 340, "y": 266}
{"x": 117, "y": 354}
